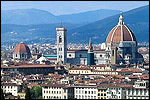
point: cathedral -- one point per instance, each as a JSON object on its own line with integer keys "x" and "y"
{"x": 120, "y": 48}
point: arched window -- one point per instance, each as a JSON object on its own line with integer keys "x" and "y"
{"x": 69, "y": 55}
{"x": 100, "y": 55}
{"x": 60, "y": 39}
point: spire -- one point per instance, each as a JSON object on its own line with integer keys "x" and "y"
{"x": 90, "y": 49}
{"x": 121, "y": 22}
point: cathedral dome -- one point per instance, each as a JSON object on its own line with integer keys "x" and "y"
{"x": 120, "y": 33}
{"x": 21, "y": 48}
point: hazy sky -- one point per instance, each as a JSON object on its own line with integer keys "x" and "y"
{"x": 68, "y": 7}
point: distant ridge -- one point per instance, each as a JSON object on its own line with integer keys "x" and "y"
{"x": 27, "y": 17}
{"x": 137, "y": 20}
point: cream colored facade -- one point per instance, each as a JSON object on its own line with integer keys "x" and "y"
{"x": 85, "y": 92}
{"x": 56, "y": 92}
{"x": 11, "y": 89}
{"x": 90, "y": 72}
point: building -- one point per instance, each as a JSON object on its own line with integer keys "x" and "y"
{"x": 61, "y": 45}
{"x": 90, "y": 54}
{"x": 122, "y": 41}
{"x": 102, "y": 91}
{"x": 77, "y": 57}
{"x": 85, "y": 92}
{"x": 21, "y": 52}
{"x": 12, "y": 88}
{"x": 89, "y": 71}
{"x": 34, "y": 69}
{"x": 56, "y": 91}
{"x": 140, "y": 90}
{"x": 115, "y": 91}
{"x": 120, "y": 48}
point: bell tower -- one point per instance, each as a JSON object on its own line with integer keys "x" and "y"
{"x": 61, "y": 44}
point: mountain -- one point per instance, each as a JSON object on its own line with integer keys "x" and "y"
{"x": 89, "y": 16}
{"x": 36, "y": 16}
{"x": 137, "y": 20}
{"x": 27, "y": 16}
{"x": 41, "y": 33}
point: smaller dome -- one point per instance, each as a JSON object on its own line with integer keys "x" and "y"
{"x": 21, "y": 48}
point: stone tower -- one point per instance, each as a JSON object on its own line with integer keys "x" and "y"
{"x": 90, "y": 54}
{"x": 61, "y": 45}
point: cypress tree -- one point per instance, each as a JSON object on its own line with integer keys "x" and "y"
{"x": 28, "y": 94}
{"x": 2, "y": 94}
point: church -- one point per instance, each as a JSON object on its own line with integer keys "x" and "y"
{"x": 120, "y": 48}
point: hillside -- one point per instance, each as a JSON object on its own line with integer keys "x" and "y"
{"x": 89, "y": 16}
{"x": 137, "y": 20}
{"x": 41, "y": 33}
{"x": 27, "y": 17}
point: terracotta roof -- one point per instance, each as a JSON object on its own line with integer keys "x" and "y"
{"x": 115, "y": 35}
{"x": 53, "y": 85}
{"x": 9, "y": 84}
{"x": 80, "y": 68}
{"x": 28, "y": 66}
{"x": 21, "y": 48}
{"x": 100, "y": 65}
{"x": 130, "y": 70}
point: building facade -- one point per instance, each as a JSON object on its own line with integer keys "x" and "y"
{"x": 85, "y": 92}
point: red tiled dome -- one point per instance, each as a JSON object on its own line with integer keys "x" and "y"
{"x": 21, "y": 48}
{"x": 120, "y": 33}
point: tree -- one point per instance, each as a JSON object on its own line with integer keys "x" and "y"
{"x": 28, "y": 94}
{"x": 2, "y": 94}
{"x": 37, "y": 91}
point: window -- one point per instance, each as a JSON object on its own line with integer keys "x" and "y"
{"x": 100, "y": 55}
{"x": 112, "y": 52}
{"x": 69, "y": 55}
{"x": 60, "y": 39}
{"x": 85, "y": 92}
{"x": 64, "y": 97}
{"x": 64, "y": 90}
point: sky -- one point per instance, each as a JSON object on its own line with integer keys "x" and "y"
{"x": 69, "y": 7}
